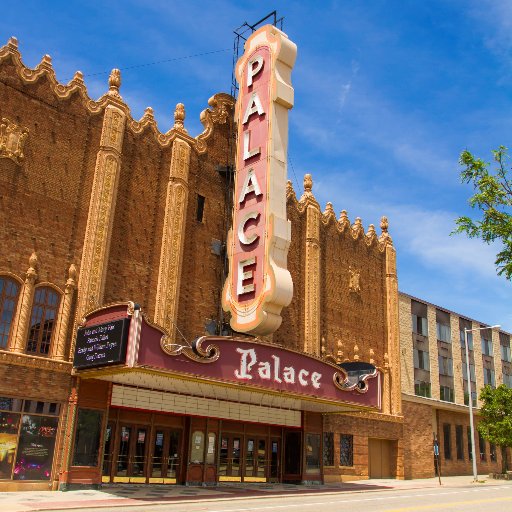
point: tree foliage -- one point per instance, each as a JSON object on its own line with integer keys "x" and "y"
{"x": 493, "y": 199}
{"x": 496, "y": 417}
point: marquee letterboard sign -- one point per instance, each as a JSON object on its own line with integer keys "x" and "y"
{"x": 102, "y": 344}
{"x": 259, "y": 285}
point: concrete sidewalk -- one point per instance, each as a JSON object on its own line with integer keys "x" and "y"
{"x": 113, "y": 496}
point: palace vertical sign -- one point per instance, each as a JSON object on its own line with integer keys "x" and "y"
{"x": 259, "y": 285}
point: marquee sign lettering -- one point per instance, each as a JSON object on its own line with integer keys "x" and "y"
{"x": 259, "y": 285}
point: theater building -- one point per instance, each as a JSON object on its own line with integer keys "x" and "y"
{"x": 436, "y": 391}
{"x": 125, "y": 355}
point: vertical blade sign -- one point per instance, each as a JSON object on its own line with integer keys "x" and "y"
{"x": 259, "y": 285}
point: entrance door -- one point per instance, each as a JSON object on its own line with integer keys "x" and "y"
{"x": 108, "y": 453}
{"x": 131, "y": 455}
{"x": 255, "y": 459}
{"x": 292, "y": 456}
{"x": 379, "y": 458}
{"x": 229, "y": 458}
{"x": 165, "y": 460}
{"x": 275, "y": 460}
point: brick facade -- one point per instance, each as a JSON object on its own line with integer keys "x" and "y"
{"x": 93, "y": 190}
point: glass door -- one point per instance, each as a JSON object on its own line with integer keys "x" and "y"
{"x": 107, "y": 457}
{"x": 132, "y": 454}
{"x": 275, "y": 460}
{"x": 165, "y": 457}
{"x": 255, "y": 460}
{"x": 229, "y": 458}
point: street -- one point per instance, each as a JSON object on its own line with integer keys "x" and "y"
{"x": 470, "y": 498}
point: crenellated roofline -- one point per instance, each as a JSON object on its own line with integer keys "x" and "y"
{"x": 222, "y": 104}
{"x": 356, "y": 230}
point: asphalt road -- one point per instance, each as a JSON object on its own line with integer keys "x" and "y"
{"x": 497, "y": 498}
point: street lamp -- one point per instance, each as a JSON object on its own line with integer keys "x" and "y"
{"x": 471, "y": 424}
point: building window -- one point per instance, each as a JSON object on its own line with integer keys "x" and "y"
{"x": 8, "y": 298}
{"x": 481, "y": 444}
{"x": 466, "y": 397}
{"x": 486, "y": 346}
{"x": 419, "y": 325}
{"x": 489, "y": 377}
{"x": 470, "y": 451}
{"x": 200, "y": 208}
{"x": 492, "y": 452}
{"x": 421, "y": 360}
{"x": 507, "y": 379}
{"x": 42, "y": 321}
{"x": 443, "y": 332}
{"x": 446, "y": 394}
{"x": 471, "y": 371}
{"x": 505, "y": 353}
{"x": 313, "y": 453}
{"x": 459, "y": 442}
{"x": 328, "y": 448}
{"x": 346, "y": 450}
{"x": 87, "y": 438}
{"x": 447, "y": 442}
{"x": 422, "y": 389}
{"x": 445, "y": 366}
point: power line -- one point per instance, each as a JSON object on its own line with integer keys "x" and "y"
{"x": 160, "y": 62}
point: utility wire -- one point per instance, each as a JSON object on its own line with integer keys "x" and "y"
{"x": 159, "y": 62}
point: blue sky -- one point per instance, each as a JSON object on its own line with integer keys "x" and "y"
{"x": 387, "y": 95}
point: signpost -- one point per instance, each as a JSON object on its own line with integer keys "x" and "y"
{"x": 259, "y": 285}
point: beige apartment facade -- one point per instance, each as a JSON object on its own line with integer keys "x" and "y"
{"x": 436, "y": 390}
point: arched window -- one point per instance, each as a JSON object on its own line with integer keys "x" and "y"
{"x": 42, "y": 320}
{"x": 9, "y": 289}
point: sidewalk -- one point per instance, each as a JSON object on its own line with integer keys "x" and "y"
{"x": 114, "y": 496}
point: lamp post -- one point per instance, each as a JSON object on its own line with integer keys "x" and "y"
{"x": 471, "y": 423}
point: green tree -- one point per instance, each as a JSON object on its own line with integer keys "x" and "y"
{"x": 493, "y": 199}
{"x": 496, "y": 418}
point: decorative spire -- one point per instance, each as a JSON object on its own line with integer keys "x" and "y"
{"x": 308, "y": 184}
{"x": 356, "y": 353}
{"x": 357, "y": 228}
{"x": 33, "y": 266}
{"x": 340, "y": 351}
{"x": 13, "y": 42}
{"x": 179, "y": 118}
{"x": 148, "y": 114}
{"x": 114, "y": 83}
{"x": 72, "y": 273}
{"x": 385, "y": 237}
{"x": 372, "y": 353}
{"x": 343, "y": 221}
{"x": 329, "y": 211}
{"x": 78, "y": 77}
{"x": 323, "y": 348}
{"x": 47, "y": 59}
{"x": 33, "y": 261}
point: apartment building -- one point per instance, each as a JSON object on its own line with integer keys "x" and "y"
{"x": 436, "y": 388}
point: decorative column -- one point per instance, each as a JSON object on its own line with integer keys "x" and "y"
{"x": 61, "y": 329}
{"x": 433, "y": 352}
{"x": 393, "y": 325}
{"x": 498, "y": 366}
{"x": 458, "y": 362}
{"x": 312, "y": 270}
{"x": 173, "y": 236}
{"x": 22, "y": 317}
{"x": 103, "y": 201}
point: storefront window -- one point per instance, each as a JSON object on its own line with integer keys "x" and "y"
{"x": 9, "y": 424}
{"x": 87, "y": 439}
{"x": 312, "y": 453}
{"x": 35, "y": 448}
